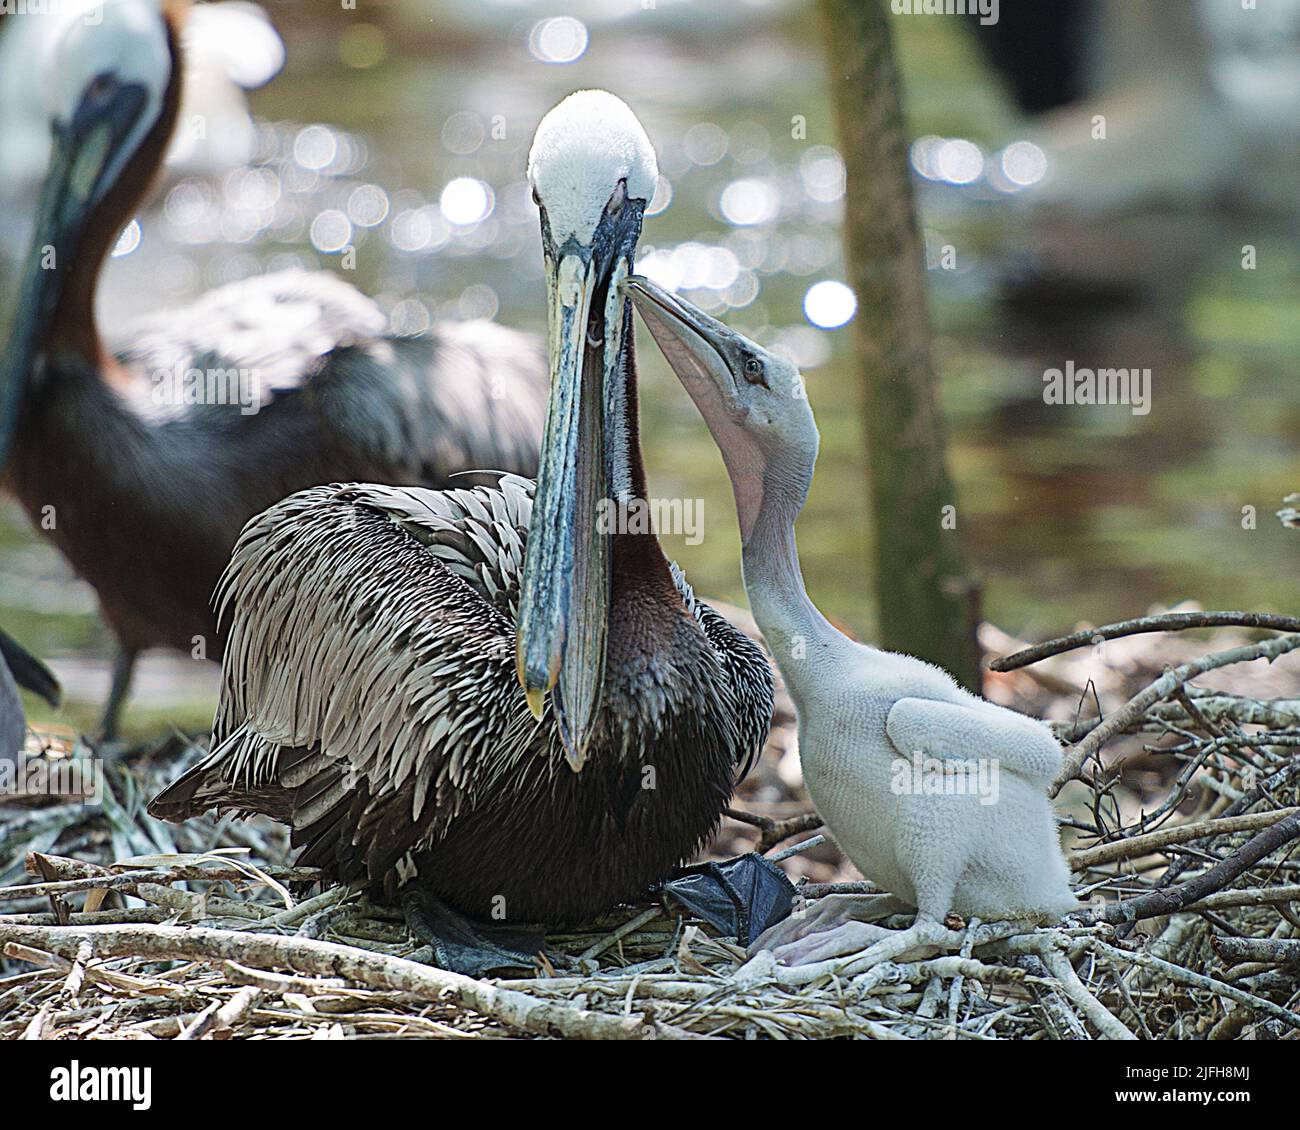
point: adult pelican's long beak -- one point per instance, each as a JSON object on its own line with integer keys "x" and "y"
{"x": 564, "y": 603}
{"x": 86, "y": 154}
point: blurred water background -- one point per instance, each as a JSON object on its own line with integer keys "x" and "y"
{"x": 401, "y": 131}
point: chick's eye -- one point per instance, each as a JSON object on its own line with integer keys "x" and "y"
{"x": 754, "y": 370}
{"x": 537, "y": 199}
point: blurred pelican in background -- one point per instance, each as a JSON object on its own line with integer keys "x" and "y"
{"x": 230, "y": 47}
{"x": 1176, "y": 105}
{"x": 142, "y": 462}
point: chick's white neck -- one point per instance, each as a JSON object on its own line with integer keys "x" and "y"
{"x": 802, "y": 640}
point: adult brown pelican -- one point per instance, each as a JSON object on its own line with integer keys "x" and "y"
{"x": 379, "y": 635}
{"x": 143, "y": 465}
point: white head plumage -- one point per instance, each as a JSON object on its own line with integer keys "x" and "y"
{"x": 582, "y": 149}
{"x": 120, "y": 40}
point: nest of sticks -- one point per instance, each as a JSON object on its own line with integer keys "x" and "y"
{"x": 1181, "y": 815}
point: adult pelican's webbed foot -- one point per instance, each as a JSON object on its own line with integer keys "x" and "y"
{"x": 462, "y": 945}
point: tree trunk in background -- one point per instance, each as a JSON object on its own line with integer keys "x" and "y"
{"x": 927, "y": 601}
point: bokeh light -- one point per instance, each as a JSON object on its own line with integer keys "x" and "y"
{"x": 560, "y": 39}
{"x": 331, "y": 231}
{"x": 462, "y": 133}
{"x": 822, "y": 171}
{"x": 663, "y": 196}
{"x": 749, "y": 201}
{"x": 315, "y": 147}
{"x": 829, "y": 304}
{"x": 477, "y": 301}
{"x": 706, "y": 143}
{"x": 128, "y": 241}
{"x": 959, "y": 161}
{"x": 466, "y": 201}
{"x": 368, "y": 205}
{"x": 1023, "y": 163}
{"x": 409, "y": 316}
{"x": 419, "y": 229}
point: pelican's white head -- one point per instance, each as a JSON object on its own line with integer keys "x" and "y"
{"x": 752, "y": 400}
{"x": 589, "y": 148}
{"x": 593, "y": 172}
{"x": 106, "y": 78}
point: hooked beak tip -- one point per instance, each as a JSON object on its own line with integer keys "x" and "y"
{"x": 536, "y": 701}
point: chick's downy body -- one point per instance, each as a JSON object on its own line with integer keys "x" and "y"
{"x": 949, "y": 814}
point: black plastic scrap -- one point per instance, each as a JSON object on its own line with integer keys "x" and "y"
{"x": 739, "y": 897}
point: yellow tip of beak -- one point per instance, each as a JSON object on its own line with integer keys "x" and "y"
{"x": 536, "y": 701}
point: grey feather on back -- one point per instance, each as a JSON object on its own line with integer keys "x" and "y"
{"x": 370, "y": 662}
{"x": 478, "y": 534}
{"x": 467, "y": 395}
{"x": 279, "y": 326}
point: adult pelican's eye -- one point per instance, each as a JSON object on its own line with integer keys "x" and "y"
{"x": 99, "y": 86}
{"x": 754, "y": 371}
{"x": 616, "y": 201}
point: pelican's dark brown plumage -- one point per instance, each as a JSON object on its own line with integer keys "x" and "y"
{"x": 145, "y": 492}
{"x": 379, "y": 636}
{"x": 370, "y": 701}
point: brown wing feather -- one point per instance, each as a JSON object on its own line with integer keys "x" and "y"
{"x": 368, "y": 670}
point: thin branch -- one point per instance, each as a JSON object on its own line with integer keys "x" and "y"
{"x": 1263, "y": 790}
{"x": 772, "y": 832}
{"x": 1170, "y": 899}
{"x": 1273, "y": 951}
{"x": 1163, "y": 687}
{"x": 1105, "y": 1021}
{"x": 796, "y": 849}
{"x": 1276, "y": 713}
{"x": 1172, "y": 972}
{"x": 309, "y": 956}
{"x": 1247, "y": 896}
{"x": 1166, "y": 622}
{"x": 1177, "y": 834}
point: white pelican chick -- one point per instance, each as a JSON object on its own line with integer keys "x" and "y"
{"x": 935, "y": 794}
